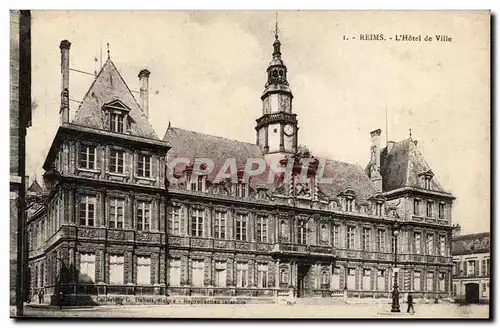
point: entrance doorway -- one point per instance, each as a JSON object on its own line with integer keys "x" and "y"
{"x": 472, "y": 293}
{"x": 303, "y": 289}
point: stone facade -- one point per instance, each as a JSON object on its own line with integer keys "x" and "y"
{"x": 227, "y": 240}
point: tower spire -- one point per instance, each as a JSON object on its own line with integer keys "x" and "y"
{"x": 108, "y": 49}
{"x": 276, "y": 30}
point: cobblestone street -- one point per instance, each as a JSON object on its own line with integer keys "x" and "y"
{"x": 262, "y": 311}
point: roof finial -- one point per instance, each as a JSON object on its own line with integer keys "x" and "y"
{"x": 276, "y": 29}
{"x": 410, "y": 133}
{"x": 107, "y": 44}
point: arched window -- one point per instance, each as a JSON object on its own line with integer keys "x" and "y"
{"x": 283, "y": 229}
{"x": 283, "y": 276}
{"x": 325, "y": 278}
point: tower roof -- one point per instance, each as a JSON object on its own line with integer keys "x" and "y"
{"x": 109, "y": 87}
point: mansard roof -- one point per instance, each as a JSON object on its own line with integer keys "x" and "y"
{"x": 471, "y": 244}
{"x": 403, "y": 166}
{"x": 109, "y": 88}
{"x": 193, "y": 145}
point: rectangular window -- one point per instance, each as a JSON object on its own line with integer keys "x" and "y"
{"x": 442, "y": 245}
{"x": 116, "y": 213}
{"x": 262, "y": 276}
{"x": 241, "y": 275}
{"x": 367, "y": 279}
{"x": 262, "y": 229}
{"x": 427, "y": 181}
{"x": 430, "y": 281}
{"x": 429, "y": 209}
{"x": 430, "y": 244}
{"x": 197, "y": 183}
{"x": 143, "y": 270}
{"x": 175, "y": 220}
{"x": 87, "y": 157}
{"x": 350, "y": 237}
{"x": 117, "y": 157}
{"x": 336, "y": 232}
{"x": 471, "y": 267}
{"x": 87, "y": 210}
{"x": 365, "y": 239}
{"x": 87, "y": 267}
{"x": 324, "y": 233}
{"x": 416, "y": 243}
{"x": 417, "y": 281}
{"x": 348, "y": 204}
{"x": 378, "y": 209}
{"x": 301, "y": 232}
{"x": 116, "y": 269}
{"x": 441, "y": 210}
{"x": 351, "y": 278}
{"x": 220, "y": 225}
{"x": 380, "y": 240}
{"x": 143, "y": 216}
{"x": 416, "y": 207}
{"x": 487, "y": 272}
{"x": 241, "y": 226}
{"x": 174, "y": 275}
{"x": 442, "y": 281}
{"x": 116, "y": 122}
{"x": 144, "y": 165}
{"x": 380, "y": 279}
{"x": 220, "y": 274}
{"x": 241, "y": 190}
{"x": 198, "y": 273}
{"x": 197, "y": 220}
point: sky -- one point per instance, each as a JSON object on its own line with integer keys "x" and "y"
{"x": 208, "y": 73}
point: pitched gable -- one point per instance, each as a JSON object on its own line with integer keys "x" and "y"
{"x": 110, "y": 89}
{"x": 403, "y": 167}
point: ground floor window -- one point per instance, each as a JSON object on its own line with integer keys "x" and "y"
{"x": 197, "y": 278}
{"x": 442, "y": 281}
{"x": 351, "y": 278}
{"x": 336, "y": 278}
{"x": 242, "y": 275}
{"x": 143, "y": 270}
{"x": 116, "y": 269}
{"x": 262, "y": 276}
{"x": 430, "y": 281}
{"x": 87, "y": 267}
{"x": 416, "y": 281}
{"x": 367, "y": 279}
{"x": 381, "y": 279}
{"x": 174, "y": 276}
{"x": 220, "y": 274}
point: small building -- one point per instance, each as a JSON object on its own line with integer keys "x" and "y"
{"x": 471, "y": 270}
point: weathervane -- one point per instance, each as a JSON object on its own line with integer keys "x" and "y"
{"x": 276, "y": 29}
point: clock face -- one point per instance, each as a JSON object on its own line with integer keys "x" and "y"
{"x": 288, "y": 130}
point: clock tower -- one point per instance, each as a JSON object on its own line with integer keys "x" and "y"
{"x": 277, "y": 127}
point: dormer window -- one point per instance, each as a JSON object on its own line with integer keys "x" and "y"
{"x": 427, "y": 182}
{"x": 441, "y": 210}
{"x": 241, "y": 190}
{"x": 378, "y": 209}
{"x": 197, "y": 183}
{"x": 116, "y": 113}
{"x": 116, "y": 122}
{"x": 349, "y": 204}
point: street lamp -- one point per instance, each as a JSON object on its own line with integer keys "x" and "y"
{"x": 395, "y": 293}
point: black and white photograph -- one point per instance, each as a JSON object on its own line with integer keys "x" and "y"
{"x": 261, "y": 164}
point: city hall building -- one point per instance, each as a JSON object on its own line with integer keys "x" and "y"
{"x": 119, "y": 222}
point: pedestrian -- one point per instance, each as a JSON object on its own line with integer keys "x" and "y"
{"x": 410, "y": 304}
{"x": 40, "y": 296}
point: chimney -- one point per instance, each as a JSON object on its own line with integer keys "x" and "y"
{"x": 144, "y": 82}
{"x": 375, "y": 176}
{"x": 390, "y": 144}
{"x": 64, "y": 111}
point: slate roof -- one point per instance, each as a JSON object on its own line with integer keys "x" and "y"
{"x": 471, "y": 244}
{"x": 402, "y": 166}
{"x": 35, "y": 187}
{"x": 107, "y": 87}
{"x": 193, "y": 145}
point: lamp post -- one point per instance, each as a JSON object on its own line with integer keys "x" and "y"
{"x": 395, "y": 293}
